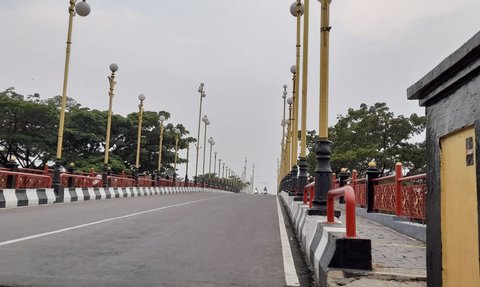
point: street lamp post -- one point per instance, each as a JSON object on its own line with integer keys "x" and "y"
{"x": 177, "y": 135}
{"x": 215, "y": 163}
{"x": 282, "y": 144}
{"x": 219, "y": 170}
{"x": 302, "y": 161}
{"x": 186, "y": 167}
{"x": 288, "y": 149}
{"x": 197, "y": 145}
{"x": 212, "y": 143}
{"x": 206, "y": 121}
{"x": 141, "y": 97}
{"x": 111, "y": 80}
{"x": 297, "y": 10}
{"x": 293, "y": 134}
{"x": 160, "y": 145}
{"x": 83, "y": 9}
{"x": 323, "y": 149}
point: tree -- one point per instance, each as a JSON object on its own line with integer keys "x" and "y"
{"x": 373, "y": 133}
{"x": 26, "y": 129}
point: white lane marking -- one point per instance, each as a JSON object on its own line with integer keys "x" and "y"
{"x": 291, "y": 278}
{"x": 96, "y": 222}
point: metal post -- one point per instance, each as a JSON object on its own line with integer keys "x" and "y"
{"x": 372, "y": 173}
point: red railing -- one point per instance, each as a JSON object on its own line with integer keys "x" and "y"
{"x": 308, "y": 194}
{"x": 384, "y": 193}
{"x": 24, "y": 180}
{"x": 413, "y": 195}
{"x": 350, "y": 217}
{"x": 76, "y": 180}
{"x": 360, "y": 188}
{"x": 410, "y": 190}
{"x": 120, "y": 181}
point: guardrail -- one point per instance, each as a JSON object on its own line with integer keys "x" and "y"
{"x": 350, "y": 222}
{"x": 15, "y": 179}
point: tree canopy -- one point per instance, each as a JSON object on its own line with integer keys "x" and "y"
{"x": 29, "y": 127}
{"x": 374, "y": 133}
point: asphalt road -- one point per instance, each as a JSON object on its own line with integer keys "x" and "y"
{"x": 176, "y": 240}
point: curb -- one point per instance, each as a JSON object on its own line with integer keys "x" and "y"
{"x": 11, "y": 198}
{"x": 324, "y": 243}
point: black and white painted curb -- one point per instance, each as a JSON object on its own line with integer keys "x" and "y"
{"x": 32, "y": 197}
{"x": 320, "y": 240}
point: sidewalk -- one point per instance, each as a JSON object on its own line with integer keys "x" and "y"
{"x": 398, "y": 260}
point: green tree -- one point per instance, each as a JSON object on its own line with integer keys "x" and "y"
{"x": 374, "y": 133}
{"x": 26, "y": 129}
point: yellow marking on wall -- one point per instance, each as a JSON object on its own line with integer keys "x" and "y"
{"x": 459, "y": 212}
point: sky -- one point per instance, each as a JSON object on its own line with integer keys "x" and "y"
{"x": 241, "y": 49}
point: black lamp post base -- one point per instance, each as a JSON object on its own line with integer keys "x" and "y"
{"x": 56, "y": 181}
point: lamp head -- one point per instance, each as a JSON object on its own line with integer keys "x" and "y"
{"x": 141, "y": 97}
{"x": 289, "y": 101}
{"x": 205, "y": 119}
{"x": 293, "y": 69}
{"x": 82, "y": 8}
{"x": 162, "y": 119}
{"x": 177, "y": 131}
{"x": 113, "y": 67}
{"x": 200, "y": 89}
{"x": 210, "y": 140}
{"x": 294, "y": 9}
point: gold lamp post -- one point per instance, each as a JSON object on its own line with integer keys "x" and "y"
{"x": 160, "y": 145}
{"x": 206, "y": 121}
{"x": 212, "y": 143}
{"x": 111, "y": 79}
{"x": 141, "y": 97}
{"x": 323, "y": 150}
{"x": 83, "y": 9}
{"x": 197, "y": 145}
{"x": 302, "y": 161}
{"x": 186, "y": 164}
{"x": 288, "y": 149}
{"x": 177, "y": 137}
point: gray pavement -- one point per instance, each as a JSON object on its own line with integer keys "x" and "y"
{"x": 210, "y": 240}
{"x": 398, "y": 260}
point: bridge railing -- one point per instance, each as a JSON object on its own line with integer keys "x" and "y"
{"x": 17, "y": 180}
{"x": 393, "y": 194}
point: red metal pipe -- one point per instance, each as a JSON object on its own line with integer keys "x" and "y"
{"x": 349, "y": 194}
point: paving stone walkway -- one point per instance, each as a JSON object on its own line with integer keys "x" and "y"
{"x": 398, "y": 260}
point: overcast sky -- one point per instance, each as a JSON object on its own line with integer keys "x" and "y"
{"x": 241, "y": 49}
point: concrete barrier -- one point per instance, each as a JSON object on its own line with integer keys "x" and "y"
{"x": 31, "y": 197}
{"x": 324, "y": 244}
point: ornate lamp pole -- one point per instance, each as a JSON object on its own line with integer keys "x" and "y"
{"x": 297, "y": 10}
{"x": 141, "y": 97}
{"x": 160, "y": 145}
{"x": 83, "y": 9}
{"x": 197, "y": 145}
{"x": 288, "y": 148}
{"x": 186, "y": 167}
{"x": 323, "y": 149}
{"x": 302, "y": 161}
{"x": 111, "y": 79}
{"x": 177, "y": 135}
{"x": 206, "y": 121}
{"x": 215, "y": 163}
{"x": 212, "y": 143}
